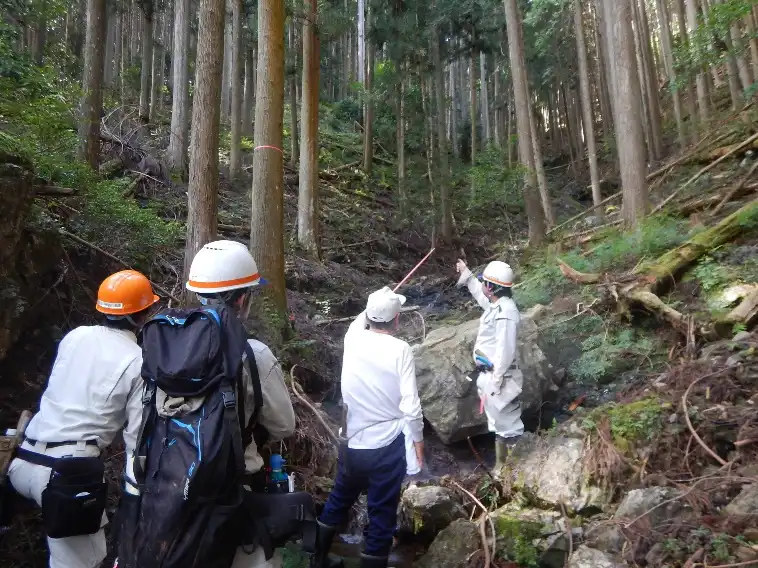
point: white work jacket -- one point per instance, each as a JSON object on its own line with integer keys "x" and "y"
{"x": 94, "y": 390}
{"x": 498, "y": 329}
{"x": 379, "y": 388}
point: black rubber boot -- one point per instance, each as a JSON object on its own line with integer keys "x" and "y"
{"x": 374, "y": 561}
{"x": 324, "y": 539}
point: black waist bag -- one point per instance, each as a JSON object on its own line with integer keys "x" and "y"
{"x": 74, "y": 500}
{"x": 269, "y": 520}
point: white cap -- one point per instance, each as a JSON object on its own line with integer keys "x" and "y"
{"x": 383, "y": 305}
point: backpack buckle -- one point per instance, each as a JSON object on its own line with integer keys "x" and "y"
{"x": 148, "y": 393}
{"x": 229, "y": 398}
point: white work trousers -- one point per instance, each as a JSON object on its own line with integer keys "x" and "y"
{"x": 30, "y": 480}
{"x": 502, "y": 406}
{"x": 257, "y": 559}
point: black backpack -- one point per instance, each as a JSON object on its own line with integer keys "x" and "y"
{"x": 189, "y": 468}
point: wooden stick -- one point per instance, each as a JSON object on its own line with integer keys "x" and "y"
{"x": 96, "y": 248}
{"x": 704, "y": 170}
{"x": 698, "y": 439}
{"x": 310, "y": 406}
{"x": 487, "y": 554}
{"x": 52, "y": 190}
{"x": 585, "y": 212}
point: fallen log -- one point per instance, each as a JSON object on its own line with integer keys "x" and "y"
{"x": 671, "y": 264}
{"x": 745, "y": 314}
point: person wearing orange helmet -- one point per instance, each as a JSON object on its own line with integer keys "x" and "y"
{"x": 93, "y": 393}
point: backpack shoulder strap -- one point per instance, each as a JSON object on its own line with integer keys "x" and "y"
{"x": 255, "y": 379}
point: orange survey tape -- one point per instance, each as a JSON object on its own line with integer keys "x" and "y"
{"x": 269, "y": 147}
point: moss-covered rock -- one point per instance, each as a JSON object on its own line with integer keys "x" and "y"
{"x": 452, "y": 547}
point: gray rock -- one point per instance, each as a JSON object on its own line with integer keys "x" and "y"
{"x": 743, "y": 336}
{"x": 450, "y": 402}
{"x": 425, "y": 511}
{"x": 746, "y": 503}
{"x": 452, "y": 547}
{"x": 609, "y": 538}
{"x": 549, "y": 470}
{"x": 585, "y": 557}
{"x": 639, "y": 501}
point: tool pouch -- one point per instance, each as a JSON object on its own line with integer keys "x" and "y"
{"x": 74, "y": 500}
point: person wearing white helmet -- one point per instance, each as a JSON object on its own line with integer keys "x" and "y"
{"x": 383, "y": 406}
{"x": 223, "y": 274}
{"x": 499, "y": 380}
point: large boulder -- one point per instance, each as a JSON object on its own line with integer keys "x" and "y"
{"x": 450, "y": 402}
{"x": 453, "y": 546}
{"x": 549, "y": 470}
{"x": 425, "y": 511}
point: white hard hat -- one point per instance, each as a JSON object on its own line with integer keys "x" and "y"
{"x": 498, "y": 272}
{"x": 221, "y": 266}
{"x": 383, "y": 305}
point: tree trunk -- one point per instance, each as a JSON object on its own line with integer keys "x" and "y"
{"x": 587, "y": 121}
{"x": 690, "y": 92}
{"x": 248, "y": 104}
{"x": 668, "y": 58}
{"x": 400, "y": 137}
{"x": 486, "y": 123}
{"x": 202, "y": 189}
{"x": 158, "y": 60}
{"x": 702, "y": 78}
{"x": 307, "y": 207}
{"x": 509, "y": 130}
{"x": 267, "y": 218}
{"x": 237, "y": 78}
{"x": 534, "y": 211}
{"x": 361, "y": 42}
{"x": 604, "y": 71}
{"x": 454, "y": 136}
{"x": 118, "y": 42}
{"x": 631, "y": 143}
{"x": 472, "y": 106}
{"x": 110, "y": 40}
{"x": 92, "y": 83}
{"x": 539, "y": 167}
{"x": 651, "y": 80}
{"x": 751, "y": 33}
{"x": 146, "y": 72}
{"x": 368, "y": 120}
{"x": 746, "y": 77}
{"x": 124, "y": 63}
{"x": 226, "y": 77}
{"x": 294, "y": 136}
{"x": 446, "y": 208}
{"x": 176, "y": 154}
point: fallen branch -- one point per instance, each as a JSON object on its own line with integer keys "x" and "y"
{"x": 52, "y": 190}
{"x": 586, "y": 212}
{"x": 685, "y": 410}
{"x": 307, "y": 403}
{"x": 487, "y": 555}
{"x": 737, "y": 187}
{"x": 96, "y": 248}
{"x": 753, "y": 562}
{"x": 704, "y": 170}
{"x": 339, "y": 247}
{"x": 576, "y": 276}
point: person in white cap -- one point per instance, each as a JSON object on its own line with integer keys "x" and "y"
{"x": 499, "y": 380}
{"x": 380, "y": 393}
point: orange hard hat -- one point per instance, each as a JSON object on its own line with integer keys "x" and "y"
{"x": 123, "y": 293}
